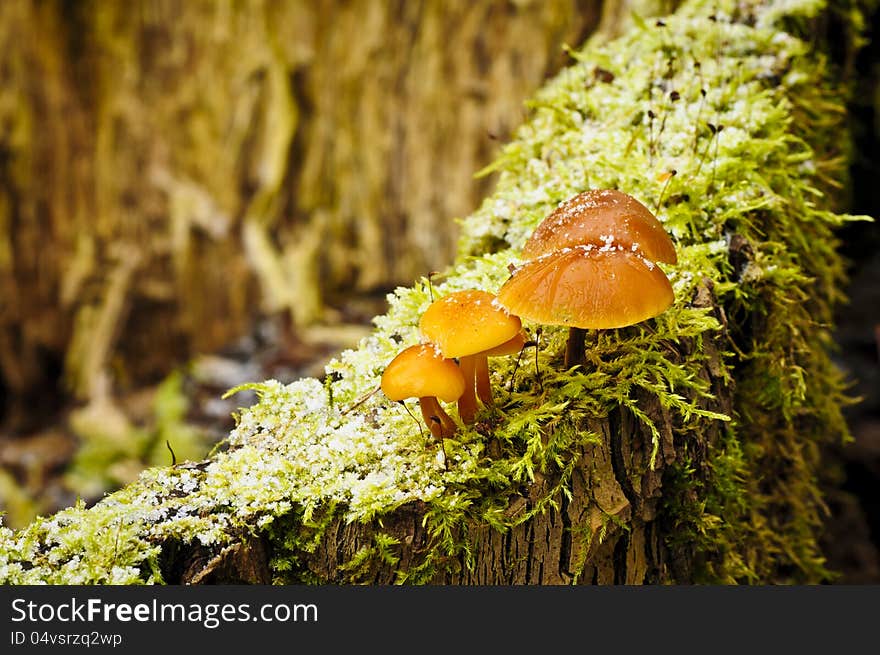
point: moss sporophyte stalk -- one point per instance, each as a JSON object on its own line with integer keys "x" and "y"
{"x": 721, "y": 94}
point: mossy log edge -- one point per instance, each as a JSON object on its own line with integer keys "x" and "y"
{"x": 605, "y": 496}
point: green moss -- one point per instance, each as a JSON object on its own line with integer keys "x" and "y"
{"x": 751, "y": 207}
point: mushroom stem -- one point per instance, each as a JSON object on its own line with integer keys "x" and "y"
{"x": 439, "y": 422}
{"x": 575, "y": 352}
{"x": 428, "y": 405}
{"x": 484, "y": 388}
{"x": 467, "y": 403}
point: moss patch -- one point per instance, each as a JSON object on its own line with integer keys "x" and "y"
{"x": 711, "y": 119}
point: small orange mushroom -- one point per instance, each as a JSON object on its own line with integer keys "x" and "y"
{"x": 466, "y": 325}
{"x": 422, "y": 372}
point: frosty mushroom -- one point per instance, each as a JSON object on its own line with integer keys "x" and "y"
{"x": 422, "y": 372}
{"x": 467, "y": 325}
{"x": 587, "y": 287}
{"x": 604, "y": 220}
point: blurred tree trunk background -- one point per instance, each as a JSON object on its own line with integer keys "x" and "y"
{"x": 170, "y": 171}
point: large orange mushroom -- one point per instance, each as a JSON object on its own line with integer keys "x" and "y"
{"x": 468, "y": 325}
{"x": 587, "y": 287}
{"x": 604, "y": 221}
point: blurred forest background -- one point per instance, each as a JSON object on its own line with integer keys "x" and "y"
{"x": 199, "y": 194}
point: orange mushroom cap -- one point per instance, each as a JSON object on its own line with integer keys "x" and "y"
{"x": 468, "y": 322}
{"x": 602, "y": 216}
{"x": 420, "y": 371}
{"x": 588, "y": 287}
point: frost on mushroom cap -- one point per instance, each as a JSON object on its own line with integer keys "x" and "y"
{"x": 468, "y": 322}
{"x": 597, "y": 216}
{"x": 586, "y": 287}
{"x": 420, "y": 371}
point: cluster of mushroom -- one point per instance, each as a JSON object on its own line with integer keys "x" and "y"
{"x": 469, "y": 326}
{"x": 590, "y": 264}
